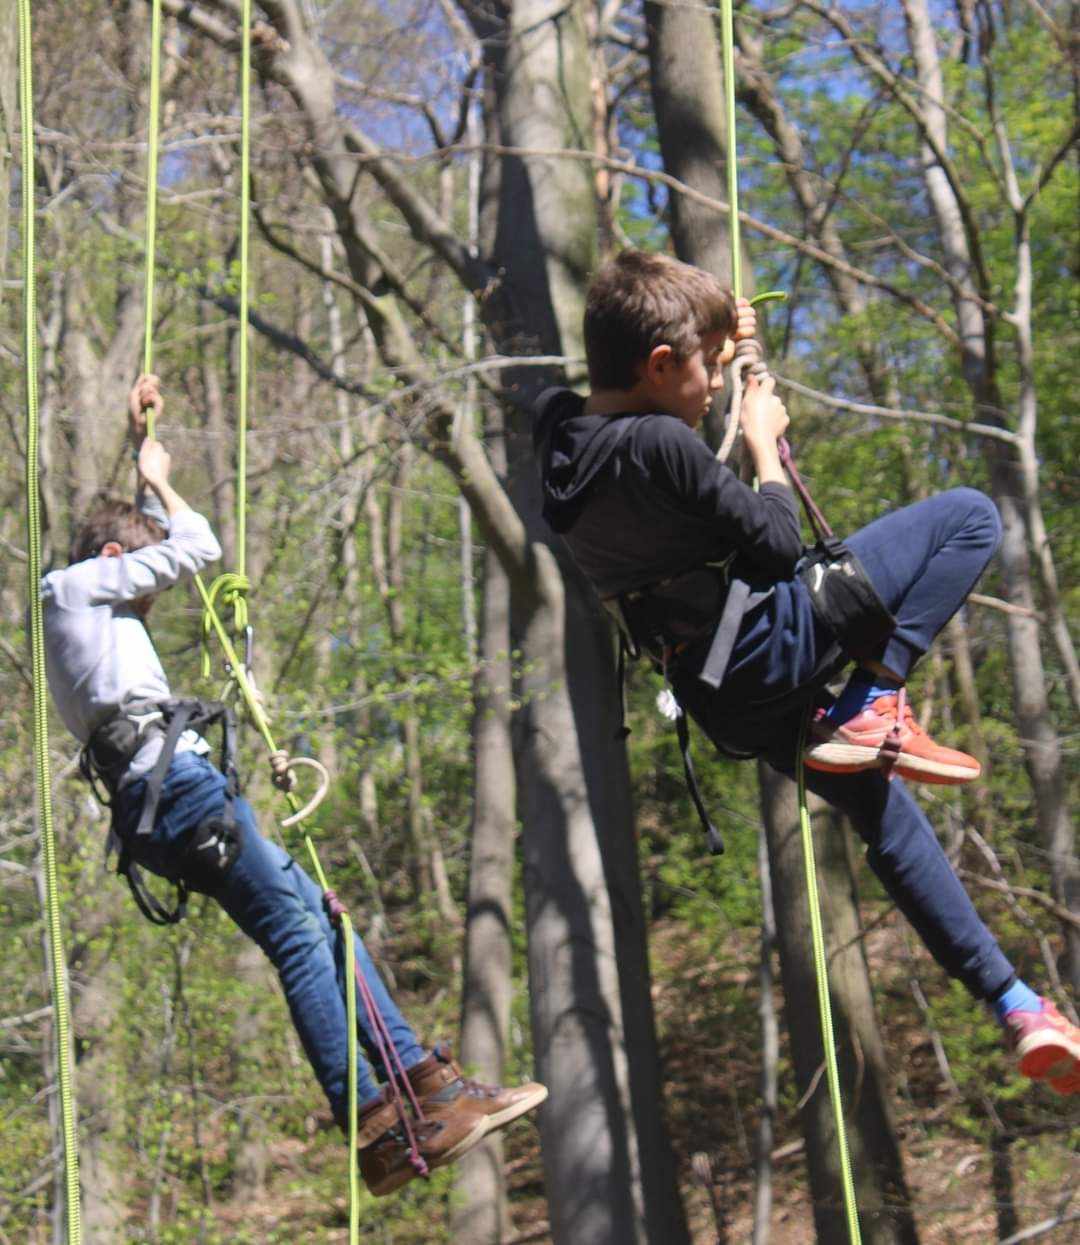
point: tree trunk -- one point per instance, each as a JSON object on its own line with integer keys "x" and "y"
{"x": 770, "y": 1053}
{"x": 610, "y": 1173}
{"x": 688, "y": 97}
{"x": 480, "y": 1214}
{"x": 881, "y": 1191}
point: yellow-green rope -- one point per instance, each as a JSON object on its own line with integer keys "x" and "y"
{"x": 727, "y": 39}
{"x": 817, "y": 936}
{"x": 245, "y": 283}
{"x": 61, "y": 1014}
{"x": 152, "y": 144}
{"x": 828, "y": 1039}
{"x": 230, "y": 587}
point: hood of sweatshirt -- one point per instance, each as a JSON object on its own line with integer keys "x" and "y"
{"x": 572, "y": 449}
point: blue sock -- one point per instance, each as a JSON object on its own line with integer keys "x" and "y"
{"x": 863, "y": 688}
{"x": 1018, "y": 998}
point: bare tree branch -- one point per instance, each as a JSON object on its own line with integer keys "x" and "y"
{"x": 885, "y": 412}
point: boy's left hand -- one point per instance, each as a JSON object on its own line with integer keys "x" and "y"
{"x": 144, "y": 395}
{"x": 746, "y": 320}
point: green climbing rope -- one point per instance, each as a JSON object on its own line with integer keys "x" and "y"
{"x": 230, "y": 588}
{"x": 61, "y": 1013}
{"x": 152, "y": 145}
{"x": 828, "y": 1039}
{"x": 817, "y": 935}
{"x": 245, "y": 288}
{"x": 727, "y": 38}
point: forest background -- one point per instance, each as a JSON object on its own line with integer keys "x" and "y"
{"x": 432, "y": 184}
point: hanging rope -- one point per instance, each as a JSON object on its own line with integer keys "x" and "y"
{"x": 229, "y": 589}
{"x": 152, "y": 146}
{"x": 245, "y": 294}
{"x": 752, "y": 360}
{"x": 61, "y": 1013}
{"x": 821, "y": 969}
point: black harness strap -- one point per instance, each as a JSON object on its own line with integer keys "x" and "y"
{"x": 716, "y": 843}
{"x": 177, "y": 720}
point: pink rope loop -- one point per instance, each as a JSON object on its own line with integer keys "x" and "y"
{"x": 391, "y": 1060}
{"x": 817, "y": 519}
{"x": 335, "y": 909}
{"x": 386, "y": 1048}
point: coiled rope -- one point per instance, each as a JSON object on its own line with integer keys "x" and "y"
{"x": 61, "y": 1006}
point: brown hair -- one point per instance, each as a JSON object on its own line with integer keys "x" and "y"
{"x": 639, "y": 301}
{"x": 111, "y": 518}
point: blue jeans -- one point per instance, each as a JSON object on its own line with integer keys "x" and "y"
{"x": 274, "y": 902}
{"x": 923, "y": 560}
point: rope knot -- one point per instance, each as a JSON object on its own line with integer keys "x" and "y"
{"x": 335, "y": 909}
{"x": 281, "y": 774}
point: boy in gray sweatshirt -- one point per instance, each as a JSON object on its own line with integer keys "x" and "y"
{"x": 111, "y": 690}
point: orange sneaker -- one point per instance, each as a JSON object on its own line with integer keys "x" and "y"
{"x": 1047, "y": 1046}
{"x": 886, "y": 735}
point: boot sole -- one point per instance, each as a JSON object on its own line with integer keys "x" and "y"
{"x": 507, "y": 1116}
{"x": 491, "y": 1123}
{"x": 839, "y": 758}
{"x": 1050, "y": 1059}
{"x": 485, "y": 1125}
{"x": 396, "y": 1180}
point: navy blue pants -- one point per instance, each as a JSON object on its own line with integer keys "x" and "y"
{"x": 273, "y": 901}
{"x": 923, "y": 561}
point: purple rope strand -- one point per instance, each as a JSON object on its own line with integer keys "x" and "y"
{"x": 335, "y": 909}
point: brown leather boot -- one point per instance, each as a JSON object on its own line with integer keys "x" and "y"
{"x": 445, "y": 1093}
{"x": 385, "y": 1160}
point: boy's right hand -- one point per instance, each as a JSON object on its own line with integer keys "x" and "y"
{"x": 763, "y": 417}
{"x": 144, "y": 395}
{"x": 154, "y": 463}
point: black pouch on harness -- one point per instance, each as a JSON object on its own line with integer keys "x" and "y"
{"x": 844, "y": 599}
{"x": 212, "y": 852}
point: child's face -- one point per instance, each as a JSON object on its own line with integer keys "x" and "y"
{"x": 685, "y": 387}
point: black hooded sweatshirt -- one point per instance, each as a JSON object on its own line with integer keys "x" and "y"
{"x": 640, "y": 498}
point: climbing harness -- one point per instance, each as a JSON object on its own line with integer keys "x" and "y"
{"x": 65, "y": 1083}
{"x": 106, "y": 758}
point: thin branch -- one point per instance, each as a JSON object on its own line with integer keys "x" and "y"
{"x": 1005, "y": 607}
{"x": 885, "y": 412}
{"x": 1007, "y": 888}
{"x": 27, "y": 1018}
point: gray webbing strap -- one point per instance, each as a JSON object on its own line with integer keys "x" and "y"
{"x": 723, "y": 641}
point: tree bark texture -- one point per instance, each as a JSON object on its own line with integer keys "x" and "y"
{"x": 481, "y": 1214}
{"x": 608, "y": 1163}
{"x": 877, "y": 1168}
{"x": 687, "y": 82}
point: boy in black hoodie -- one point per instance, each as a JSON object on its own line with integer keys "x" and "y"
{"x": 663, "y": 531}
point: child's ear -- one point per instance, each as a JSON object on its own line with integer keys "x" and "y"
{"x": 658, "y": 362}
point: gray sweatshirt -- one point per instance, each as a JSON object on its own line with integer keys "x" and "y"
{"x": 99, "y": 655}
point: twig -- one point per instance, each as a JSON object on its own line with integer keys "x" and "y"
{"x": 885, "y": 412}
